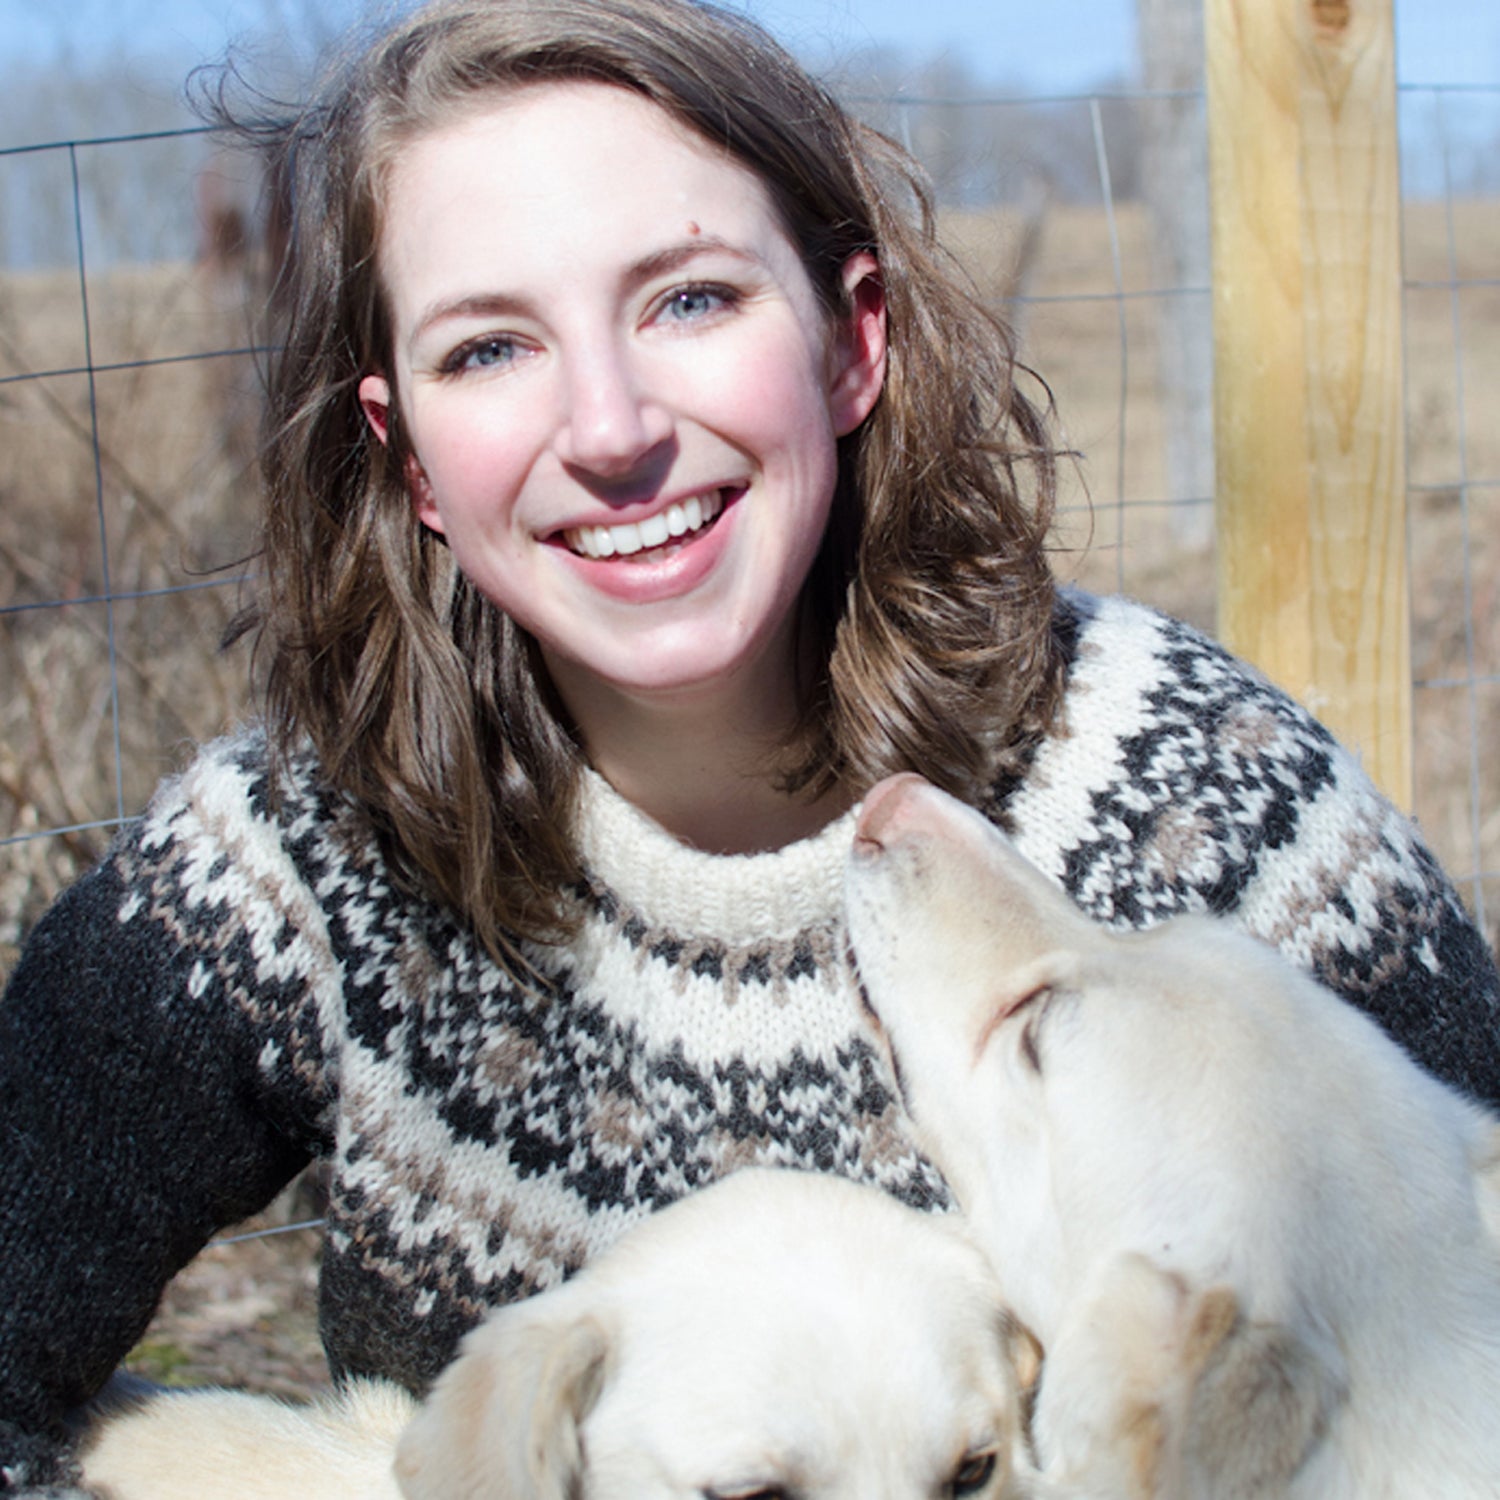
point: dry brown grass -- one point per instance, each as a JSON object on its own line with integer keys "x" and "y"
{"x": 173, "y": 498}
{"x": 176, "y": 496}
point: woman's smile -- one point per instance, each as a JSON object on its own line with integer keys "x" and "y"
{"x": 642, "y": 562}
{"x": 664, "y": 530}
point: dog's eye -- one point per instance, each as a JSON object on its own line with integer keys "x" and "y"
{"x": 1034, "y": 1007}
{"x": 972, "y": 1474}
{"x": 768, "y": 1492}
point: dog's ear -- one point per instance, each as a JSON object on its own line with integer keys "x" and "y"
{"x": 1112, "y": 1384}
{"x": 1023, "y": 1350}
{"x": 502, "y": 1422}
{"x": 1213, "y": 1319}
{"x": 1156, "y": 1388}
{"x": 1263, "y": 1397}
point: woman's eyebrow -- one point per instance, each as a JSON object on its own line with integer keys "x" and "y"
{"x": 472, "y": 305}
{"x": 658, "y": 263}
{"x": 673, "y": 257}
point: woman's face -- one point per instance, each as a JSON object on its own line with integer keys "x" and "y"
{"x": 621, "y": 393}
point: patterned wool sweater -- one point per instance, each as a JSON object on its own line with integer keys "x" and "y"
{"x": 241, "y": 987}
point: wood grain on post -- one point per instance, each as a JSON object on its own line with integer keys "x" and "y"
{"x": 1308, "y": 413}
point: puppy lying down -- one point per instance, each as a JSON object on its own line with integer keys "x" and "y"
{"x": 779, "y": 1334}
{"x": 1257, "y": 1243}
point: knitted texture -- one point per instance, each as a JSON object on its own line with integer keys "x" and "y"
{"x": 241, "y": 987}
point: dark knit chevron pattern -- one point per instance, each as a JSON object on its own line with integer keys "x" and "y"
{"x": 242, "y": 987}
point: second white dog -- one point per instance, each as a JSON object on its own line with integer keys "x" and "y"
{"x": 779, "y": 1334}
{"x": 1256, "y": 1241}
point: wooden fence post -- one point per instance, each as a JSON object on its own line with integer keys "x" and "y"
{"x": 1308, "y": 409}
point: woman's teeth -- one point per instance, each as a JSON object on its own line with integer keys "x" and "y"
{"x": 641, "y": 536}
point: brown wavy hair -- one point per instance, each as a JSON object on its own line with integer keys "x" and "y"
{"x": 929, "y": 610}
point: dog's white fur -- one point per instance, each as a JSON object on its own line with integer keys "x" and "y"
{"x": 230, "y": 1445}
{"x": 780, "y": 1332}
{"x": 1256, "y": 1241}
{"x": 777, "y": 1333}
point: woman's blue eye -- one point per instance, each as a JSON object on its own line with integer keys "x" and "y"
{"x": 483, "y": 354}
{"x": 694, "y": 302}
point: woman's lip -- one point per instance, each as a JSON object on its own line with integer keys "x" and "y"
{"x": 660, "y": 573}
{"x": 626, "y": 536}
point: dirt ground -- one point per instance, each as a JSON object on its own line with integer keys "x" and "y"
{"x": 245, "y": 1312}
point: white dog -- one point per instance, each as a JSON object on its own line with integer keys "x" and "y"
{"x": 1258, "y": 1243}
{"x": 778, "y": 1334}
{"x": 229, "y": 1445}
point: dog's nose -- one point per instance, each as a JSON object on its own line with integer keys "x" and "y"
{"x": 881, "y": 811}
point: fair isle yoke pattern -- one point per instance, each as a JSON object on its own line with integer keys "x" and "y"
{"x": 489, "y": 1136}
{"x": 265, "y": 994}
{"x": 492, "y": 1137}
{"x": 1183, "y": 781}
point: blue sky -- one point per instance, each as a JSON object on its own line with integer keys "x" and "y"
{"x": 1043, "y": 45}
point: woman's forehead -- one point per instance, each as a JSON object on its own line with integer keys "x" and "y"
{"x": 563, "y": 175}
{"x": 606, "y": 113}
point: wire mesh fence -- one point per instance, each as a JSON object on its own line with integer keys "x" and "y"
{"x": 1451, "y": 252}
{"x": 129, "y": 371}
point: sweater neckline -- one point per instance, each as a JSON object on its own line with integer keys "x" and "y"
{"x": 737, "y": 898}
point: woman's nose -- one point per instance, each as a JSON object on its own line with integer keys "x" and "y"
{"x": 612, "y": 421}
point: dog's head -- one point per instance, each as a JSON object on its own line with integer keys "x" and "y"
{"x": 939, "y": 899}
{"x": 1090, "y": 1094}
{"x": 779, "y": 1334}
{"x": 964, "y": 951}
{"x": 1062, "y": 1075}
{"x": 954, "y": 933}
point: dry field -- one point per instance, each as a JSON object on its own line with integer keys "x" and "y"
{"x": 172, "y": 496}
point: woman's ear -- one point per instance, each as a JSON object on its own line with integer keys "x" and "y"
{"x": 375, "y": 402}
{"x": 858, "y": 353}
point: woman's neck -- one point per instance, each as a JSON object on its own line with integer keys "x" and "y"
{"x": 701, "y": 763}
{"x": 717, "y": 809}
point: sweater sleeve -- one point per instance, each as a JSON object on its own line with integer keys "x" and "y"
{"x": 1354, "y": 894}
{"x": 144, "y": 1105}
{"x": 1187, "y": 782}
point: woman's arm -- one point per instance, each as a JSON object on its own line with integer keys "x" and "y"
{"x": 1183, "y": 781}
{"x": 136, "y": 1120}
{"x": 1355, "y": 895}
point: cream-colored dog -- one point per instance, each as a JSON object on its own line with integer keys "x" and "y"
{"x": 1256, "y": 1241}
{"x": 779, "y": 1334}
{"x": 230, "y": 1445}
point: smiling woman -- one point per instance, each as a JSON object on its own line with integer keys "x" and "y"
{"x": 738, "y": 570}
{"x": 641, "y": 486}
